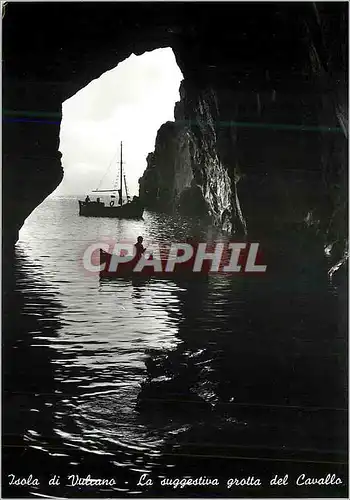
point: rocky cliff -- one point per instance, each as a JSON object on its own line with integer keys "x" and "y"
{"x": 259, "y": 138}
{"x": 185, "y": 172}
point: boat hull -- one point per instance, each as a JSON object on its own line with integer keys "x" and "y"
{"x": 131, "y": 210}
{"x": 127, "y": 269}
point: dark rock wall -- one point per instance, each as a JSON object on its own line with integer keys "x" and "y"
{"x": 268, "y": 142}
{"x": 252, "y": 75}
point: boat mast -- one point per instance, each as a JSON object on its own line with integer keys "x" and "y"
{"x": 121, "y": 173}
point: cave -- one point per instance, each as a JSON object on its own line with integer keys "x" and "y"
{"x": 263, "y": 108}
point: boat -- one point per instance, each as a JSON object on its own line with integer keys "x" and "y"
{"x": 132, "y": 209}
{"x": 158, "y": 270}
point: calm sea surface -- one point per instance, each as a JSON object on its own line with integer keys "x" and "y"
{"x": 224, "y": 378}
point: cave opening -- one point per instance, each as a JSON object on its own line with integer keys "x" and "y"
{"x": 128, "y": 103}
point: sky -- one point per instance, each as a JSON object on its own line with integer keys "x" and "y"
{"x": 128, "y": 103}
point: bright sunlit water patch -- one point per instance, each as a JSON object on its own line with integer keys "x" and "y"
{"x": 128, "y": 103}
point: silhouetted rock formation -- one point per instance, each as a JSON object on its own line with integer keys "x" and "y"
{"x": 251, "y": 72}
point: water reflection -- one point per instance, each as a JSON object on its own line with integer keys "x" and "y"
{"x": 247, "y": 387}
{"x": 31, "y": 322}
{"x": 115, "y": 378}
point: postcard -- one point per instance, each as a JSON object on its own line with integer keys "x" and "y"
{"x": 175, "y": 231}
